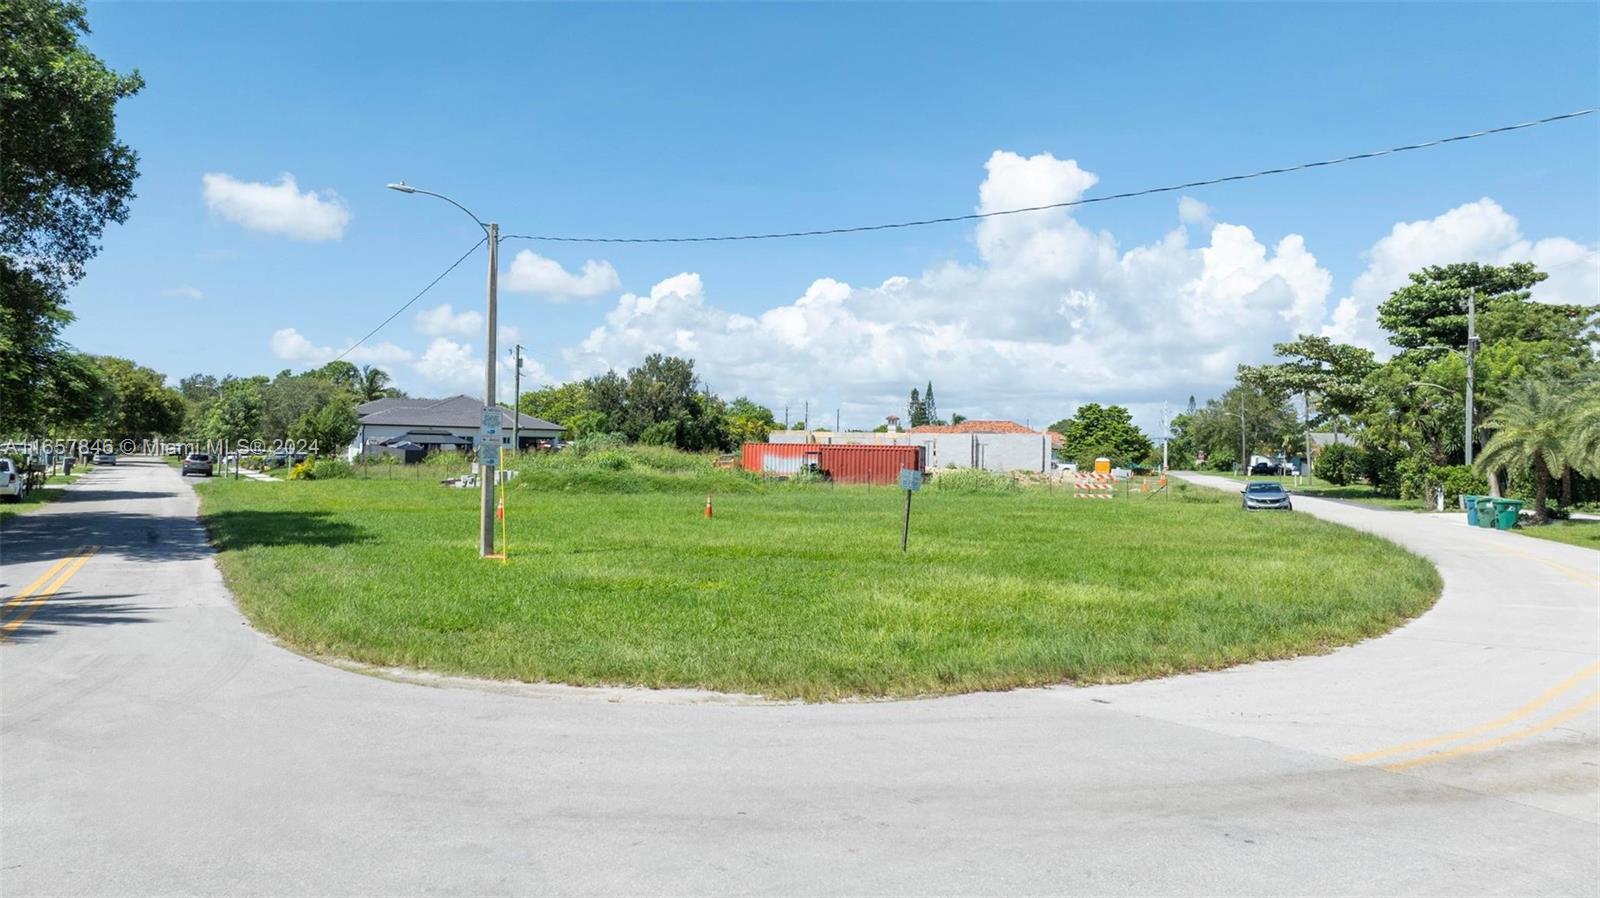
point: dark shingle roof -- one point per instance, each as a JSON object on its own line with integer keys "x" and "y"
{"x": 457, "y": 411}
{"x": 378, "y": 405}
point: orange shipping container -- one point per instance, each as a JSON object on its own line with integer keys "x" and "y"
{"x": 782, "y": 459}
{"x": 842, "y": 463}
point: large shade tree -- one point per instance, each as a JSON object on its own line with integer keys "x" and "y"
{"x": 1328, "y": 376}
{"x": 1096, "y": 430}
{"x": 136, "y": 403}
{"x": 64, "y": 176}
{"x": 1431, "y": 311}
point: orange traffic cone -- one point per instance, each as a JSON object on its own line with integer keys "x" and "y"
{"x": 708, "y": 505}
{"x": 500, "y": 509}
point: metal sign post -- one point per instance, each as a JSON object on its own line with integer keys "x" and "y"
{"x": 910, "y": 481}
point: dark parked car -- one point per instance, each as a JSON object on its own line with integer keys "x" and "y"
{"x": 1266, "y": 495}
{"x": 280, "y": 457}
{"x": 196, "y": 463}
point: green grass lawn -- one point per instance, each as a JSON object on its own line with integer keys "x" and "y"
{"x": 801, "y": 592}
{"x": 1577, "y": 533}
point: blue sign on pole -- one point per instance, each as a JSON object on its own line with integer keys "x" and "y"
{"x": 910, "y": 480}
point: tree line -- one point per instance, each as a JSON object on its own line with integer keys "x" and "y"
{"x": 118, "y": 399}
{"x": 660, "y": 402}
{"x": 1536, "y": 395}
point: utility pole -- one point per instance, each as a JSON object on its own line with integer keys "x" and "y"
{"x": 1472, "y": 347}
{"x": 807, "y": 418}
{"x": 1305, "y": 397}
{"x": 835, "y": 420}
{"x": 489, "y": 469}
{"x": 1244, "y": 459}
{"x": 1166, "y": 434}
{"x": 516, "y": 403}
{"x": 786, "y": 417}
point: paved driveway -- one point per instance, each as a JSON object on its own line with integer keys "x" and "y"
{"x": 152, "y": 743}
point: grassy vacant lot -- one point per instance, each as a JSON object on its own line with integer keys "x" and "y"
{"x": 1577, "y": 533}
{"x": 798, "y": 591}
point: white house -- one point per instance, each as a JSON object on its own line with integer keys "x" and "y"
{"x": 434, "y": 424}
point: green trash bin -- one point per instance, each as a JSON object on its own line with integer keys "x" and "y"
{"x": 1486, "y": 512}
{"x": 1472, "y": 509}
{"x": 1505, "y": 513}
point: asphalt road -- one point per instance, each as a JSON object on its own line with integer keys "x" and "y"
{"x": 152, "y": 743}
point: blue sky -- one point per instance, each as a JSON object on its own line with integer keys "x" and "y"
{"x": 683, "y": 119}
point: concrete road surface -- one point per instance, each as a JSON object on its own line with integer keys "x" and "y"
{"x": 152, "y": 743}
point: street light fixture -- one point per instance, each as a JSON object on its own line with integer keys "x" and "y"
{"x": 486, "y": 467}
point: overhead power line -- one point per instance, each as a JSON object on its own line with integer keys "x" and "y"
{"x": 975, "y": 216}
{"x": 420, "y": 294}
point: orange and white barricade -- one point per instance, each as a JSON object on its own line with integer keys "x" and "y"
{"x": 1093, "y": 486}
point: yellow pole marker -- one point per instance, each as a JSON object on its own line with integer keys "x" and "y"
{"x": 505, "y": 523}
{"x": 1495, "y": 724}
{"x": 26, "y": 611}
{"x": 43, "y": 578}
{"x": 1485, "y": 745}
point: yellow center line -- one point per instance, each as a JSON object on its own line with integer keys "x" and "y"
{"x": 43, "y": 578}
{"x": 26, "y": 611}
{"x": 1541, "y": 726}
{"x": 1495, "y": 724}
{"x": 1581, "y": 577}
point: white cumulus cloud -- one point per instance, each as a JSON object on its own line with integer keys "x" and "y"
{"x": 1192, "y": 211}
{"x": 533, "y": 273}
{"x": 1480, "y": 231}
{"x": 448, "y": 363}
{"x": 1054, "y": 313}
{"x": 444, "y": 366}
{"x": 282, "y": 208}
{"x": 444, "y": 321}
{"x": 292, "y": 346}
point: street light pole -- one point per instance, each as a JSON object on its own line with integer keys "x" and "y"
{"x": 486, "y": 480}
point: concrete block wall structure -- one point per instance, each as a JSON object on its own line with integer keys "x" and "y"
{"x": 1002, "y": 452}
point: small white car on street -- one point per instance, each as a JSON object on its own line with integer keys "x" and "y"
{"x": 12, "y": 483}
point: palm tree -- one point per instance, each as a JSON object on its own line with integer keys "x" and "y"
{"x": 374, "y": 384}
{"x": 1584, "y": 455}
{"x": 1535, "y": 427}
